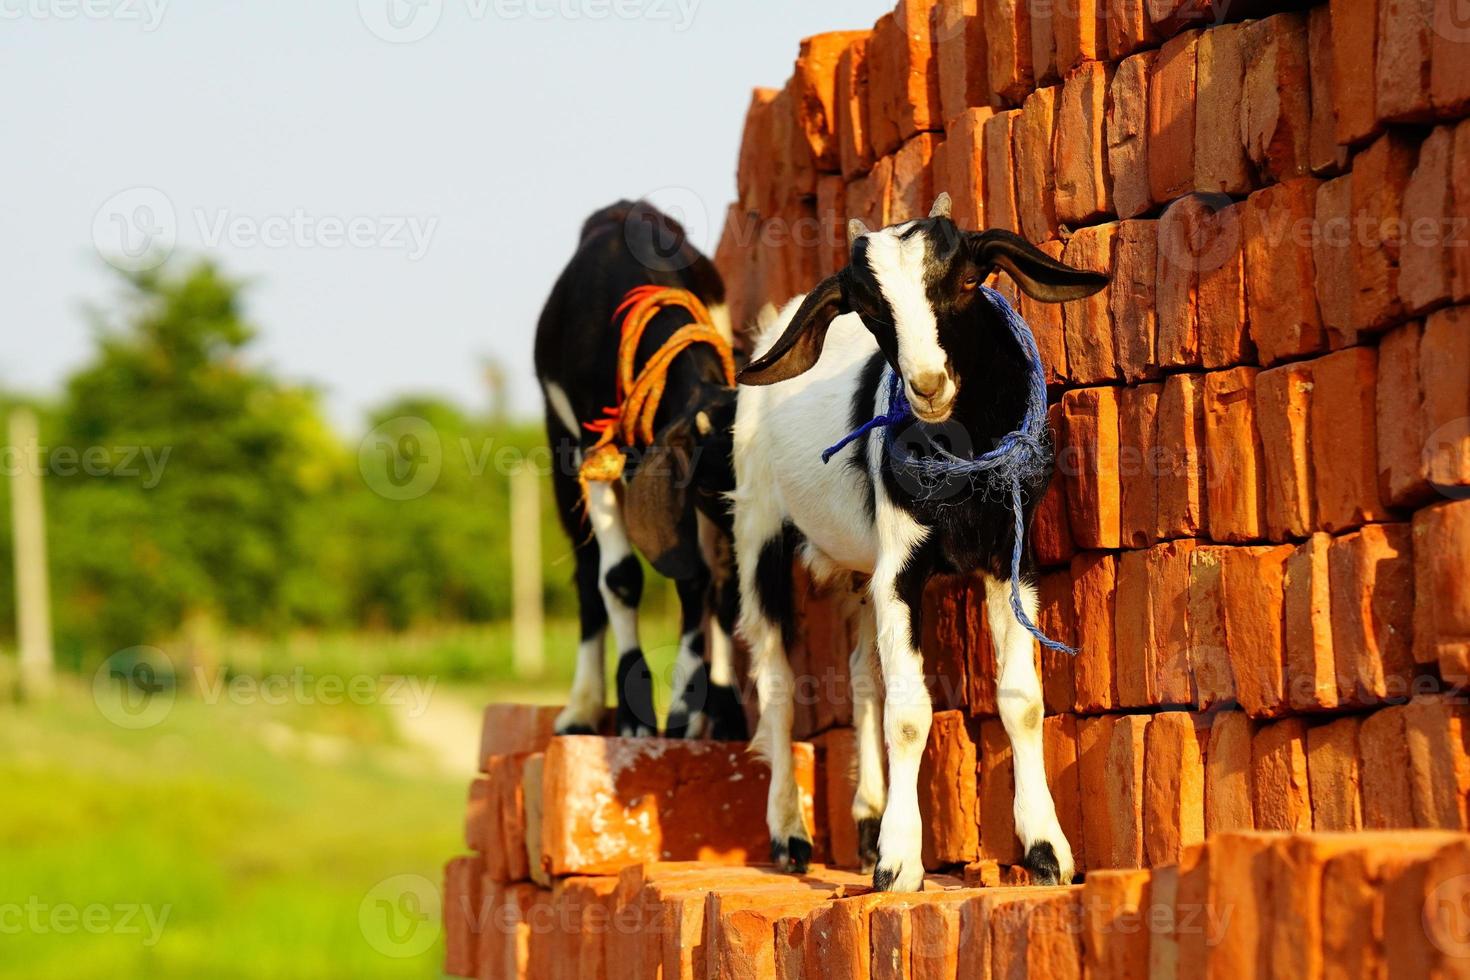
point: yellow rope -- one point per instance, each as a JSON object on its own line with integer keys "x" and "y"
{"x": 639, "y": 394}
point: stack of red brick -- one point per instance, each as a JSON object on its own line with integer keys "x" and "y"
{"x": 1259, "y": 535}
{"x": 612, "y": 900}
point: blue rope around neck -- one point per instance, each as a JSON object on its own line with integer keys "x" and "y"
{"x": 1020, "y": 457}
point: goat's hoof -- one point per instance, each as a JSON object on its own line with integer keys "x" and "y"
{"x": 636, "y": 731}
{"x": 899, "y": 876}
{"x": 867, "y": 835}
{"x": 677, "y": 725}
{"x": 1041, "y": 862}
{"x": 793, "y": 855}
{"x": 576, "y": 728}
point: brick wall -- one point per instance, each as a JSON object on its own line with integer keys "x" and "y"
{"x": 1259, "y": 534}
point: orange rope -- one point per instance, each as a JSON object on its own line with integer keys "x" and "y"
{"x": 639, "y": 392}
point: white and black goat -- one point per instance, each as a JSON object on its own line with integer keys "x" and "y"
{"x": 909, "y": 301}
{"x": 671, "y": 503}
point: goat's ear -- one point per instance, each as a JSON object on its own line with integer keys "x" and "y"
{"x": 1039, "y": 275}
{"x": 799, "y": 347}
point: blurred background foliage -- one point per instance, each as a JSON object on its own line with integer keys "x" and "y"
{"x": 261, "y": 523}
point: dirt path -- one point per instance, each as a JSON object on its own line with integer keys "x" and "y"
{"x": 446, "y": 727}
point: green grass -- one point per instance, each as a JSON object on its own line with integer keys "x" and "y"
{"x": 258, "y": 835}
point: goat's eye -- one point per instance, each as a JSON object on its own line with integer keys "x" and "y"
{"x": 970, "y": 282}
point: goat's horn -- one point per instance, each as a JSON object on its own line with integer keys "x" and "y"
{"x": 855, "y": 230}
{"x": 941, "y": 206}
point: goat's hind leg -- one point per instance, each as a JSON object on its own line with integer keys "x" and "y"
{"x": 869, "y": 795}
{"x": 765, "y": 620}
{"x": 586, "y": 701}
{"x": 621, "y": 585}
{"x": 687, "y": 718}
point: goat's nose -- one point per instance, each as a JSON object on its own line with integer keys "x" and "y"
{"x": 927, "y": 384}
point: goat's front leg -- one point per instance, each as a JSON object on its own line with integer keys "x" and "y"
{"x": 897, "y": 597}
{"x": 1048, "y": 856}
{"x": 621, "y": 586}
{"x": 869, "y": 795}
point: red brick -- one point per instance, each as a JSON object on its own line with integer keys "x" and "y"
{"x": 1137, "y": 678}
{"x": 1276, "y": 98}
{"x": 532, "y": 775}
{"x": 1444, "y": 377}
{"x": 1441, "y": 601}
{"x": 793, "y": 175}
{"x": 1283, "y": 403}
{"x": 1051, "y": 530}
{"x": 1333, "y": 260}
{"x": 1043, "y": 42}
{"x": 838, "y": 942}
{"x": 870, "y": 197}
{"x": 1449, "y": 71}
{"x": 948, "y": 792}
{"x": 1088, "y": 322}
{"x": 1094, "y": 585}
{"x": 980, "y": 668}
{"x": 1201, "y": 310}
{"x": 935, "y": 938}
{"x": 1311, "y": 670}
{"x": 1220, "y": 162}
{"x": 1000, "y": 180}
{"x": 504, "y": 829}
{"x": 997, "y": 791}
{"x": 1279, "y": 776}
{"x": 855, "y": 149}
{"x": 1228, "y": 791}
{"x": 1126, "y": 131}
{"x": 1344, "y": 417}
{"x": 1122, "y": 800}
{"x": 1035, "y": 936}
{"x": 1439, "y": 763}
{"x": 1081, "y": 34}
{"x": 1332, "y": 766}
{"x": 1372, "y": 612}
{"x": 1089, "y": 459}
{"x": 1114, "y": 924}
{"x": 1174, "y": 787}
{"x": 739, "y": 929}
{"x": 1093, "y": 738}
{"x": 1083, "y": 191}
{"x": 1138, "y": 463}
{"x": 463, "y": 900}
{"x": 946, "y": 613}
{"x": 1253, "y": 583}
{"x": 754, "y": 175}
{"x": 650, "y": 799}
{"x": 959, "y": 40}
{"x": 479, "y": 812}
{"x": 1425, "y": 256}
{"x": 1063, "y": 777}
{"x": 1171, "y": 101}
{"x": 838, "y": 750}
{"x": 1127, "y": 26}
{"x": 815, "y": 86}
{"x": 1402, "y": 476}
{"x": 1354, "y": 38}
{"x": 913, "y": 178}
{"x": 1379, "y": 178}
{"x": 1057, "y": 618}
{"x": 1280, "y": 271}
{"x": 1209, "y": 655}
{"x": 1183, "y": 498}
{"x": 1035, "y": 178}
{"x": 903, "y": 77}
{"x": 1008, "y": 49}
{"x": 1405, "y": 29}
{"x": 831, "y": 227}
{"x": 1047, "y": 325}
{"x": 1460, "y": 214}
{"x": 511, "y": 729}
{"x": 1169, "y": 568}
{"x": 1224, "y": 908}
{"x": 1383, "y": 763}
{"x": 1131, "y": 298}
{"x": 966, "y": 143}
{"x": 1235, "y": 491}
{"x": 1323, "y": 151}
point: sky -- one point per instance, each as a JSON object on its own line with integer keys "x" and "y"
{"x": 398, "y": 181}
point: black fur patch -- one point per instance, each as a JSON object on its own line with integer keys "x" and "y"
{"x": 792, "y": 854}
{"x": 864, "y": 408}
{"x": 625, "y": 580}
{"x": 773, "y": 580}
{"x": 726, "y": 714}
{"x": 883, "y": 879}
{"x": 577, "y": 730}
{"x": 867, "y": 834}
{"x": 1041, "y": 861}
